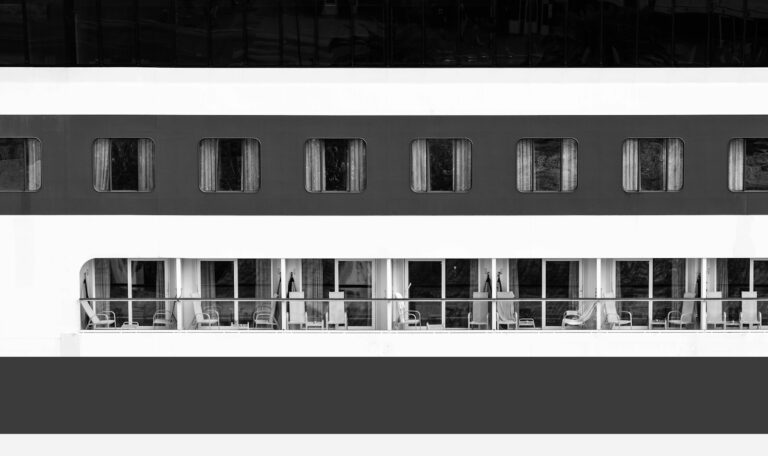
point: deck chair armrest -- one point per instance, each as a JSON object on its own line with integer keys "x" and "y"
{"x": 415, "y": 313}
{"x": 626, "y": 312}
{"x": 672, "y": 313}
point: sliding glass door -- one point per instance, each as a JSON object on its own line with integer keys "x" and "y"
{"x": 425, "y": 281}
{"x": 561, "y": 281}
{"x": 733, "y": 278}
{"x": 460, "y": 282}
{"x": 147, "y": 281}
{"x": 355, "y": 279}
{"x": 760, "y": 285}
{"x": 217, "y": 280}
{"x": 633, "y": 281}
{"x": 125, "y": 278}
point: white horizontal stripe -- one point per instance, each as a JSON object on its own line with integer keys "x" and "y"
{"x": 523, "y": 91}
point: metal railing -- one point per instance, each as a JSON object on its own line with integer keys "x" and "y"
{"x": 408, "y": 314}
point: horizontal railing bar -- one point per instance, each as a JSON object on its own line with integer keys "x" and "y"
{"x": 426, "y": 300}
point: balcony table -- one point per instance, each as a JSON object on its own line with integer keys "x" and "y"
{"x": 527, "y": 323}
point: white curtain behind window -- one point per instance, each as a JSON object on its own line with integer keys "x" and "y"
{"x": 209, "y": 154}
{"x": 146, "y": 150}
{"x": 674, "y": 148}
{"x": 33, "y": 165}
{"x": 630, "y": 178}
{"x": 525, "y": 165}
{"x": 357, "y": 168}
{"x": 514, "y": 283}
{"x": 462, "y": 160}
{"x": 101, "y": 174}
{"x": 314, "y": 165}
{"x": 569, "y": 165}
{"x": 736, "y": 165}
{"x": 251, "y": 166}
{"x": 419, "y": 165}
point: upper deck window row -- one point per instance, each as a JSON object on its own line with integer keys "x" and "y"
{"x": 381, "y": 33}
{"x": 339, "y": 165}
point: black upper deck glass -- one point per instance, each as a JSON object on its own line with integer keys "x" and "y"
{"x": 383, "y": 33}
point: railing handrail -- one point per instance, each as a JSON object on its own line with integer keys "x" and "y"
{"x": 425, "y": 300}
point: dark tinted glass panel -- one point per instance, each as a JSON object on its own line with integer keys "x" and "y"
{"x": 529, "y": 286}
{"x": 426, "y": 281}
{"x": 562, "y": 282}
{"x": 584, "y": 33}
{"x": 619, "y": 33}
{"x": 147, "y": 281}
{"x": 118, "y": 288}
{"x": 512, "y": 33}
{"x": 86, "y": 23}
{"x": 726, "y": 28}
{"x": 651, "y": 159}
{"x": 547, "y": 164}
{"x": 156, "y": 32}
{"x": 460, "y": 282}
{"x": 218, "y": 281}
{"x": 230, "y": 165}
{"x": 317, "y": 280}
{"x": 356, "y": 281}
{"x": 192, "y": 23}
{"x": 334, "y": 33}
{"x": 118, "y": 32}
{"x": 655, "y": 33}
{"x": 756, "y": 164}
{"x": 124, "y": 164}
{"x": 264, "y": 32}
{"x": 369, "y": 33}
{"x": 13, "y": 164}
{"x": 441, "y": 22}
{"x": 691, "y": 32}
{"x": 227, "y": 33}
{"x": 668, "y": 282}
{"x": 254, "y": 281}
{"x": 547, "y": 28}
{"x": 47, "y": 32}
{"x": 632, "y": 282}
{"x": 475, "y": 33}
{"x": 761, "y": 286}
{"x": 336, "y": 165}
{"x": 733, "y": 280}
{"x": 756, "y": 38}
{"x": 440, "y": 162}
{"x": 299, "y": 43}
{"x": 12, "y": 40}
{"x": 408, "y": 37}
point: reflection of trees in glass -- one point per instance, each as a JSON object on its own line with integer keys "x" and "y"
{"x": 124, "y": 164}
{"x": 547, "y": 164}
{"x": 460, "y": 282}
{"x": 440, "y": 160}
{"x": 651, "y": 159}
{"x": 230, "y": 166}
{"x": 355, "y": 280}
{"x": 12, "y": 164}
{"x": 756, "y": 164}
{"x": 336, "y": 162}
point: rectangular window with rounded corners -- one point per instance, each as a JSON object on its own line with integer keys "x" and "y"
{"x": 123, "y": 165}
{"x": 546, "y": 164}
{"x": 20, "y": 165}
{"x": 441, "y": 165}
{"x": 230, "y": 165}
{"x": 334, "y": 165}
{"x": 652, "y": 164}
{"x": 748, "y": 165}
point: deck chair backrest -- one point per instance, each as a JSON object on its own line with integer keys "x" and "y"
{"x": 748, "y": 306}
{"x": 297, "y": 310}
{"x": 505, "y": 309}
{"x": 336, "y": 308}
{"x": 715, "y": 308}
{"x": 480, "y": 309}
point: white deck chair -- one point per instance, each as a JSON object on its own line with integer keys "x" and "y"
{"x": 164, "y": 317}
{"x": 98, "y": 320}
{"x": 578, "y": 318}
{"x": 505, "y": 311}
{"x": 478, "y": 318}
{"x": 684, "y": 317}
{"x": 204, "y": 319}
{"x": 612, "y": 316}
{"x": 337, "y": 314}
{"x": 749, "y": 315}
{"x": 715, "y": 314}
{"x": 297, "y": 313}
{"x": 264, "y": 316}
{"x": 406, "y": 318}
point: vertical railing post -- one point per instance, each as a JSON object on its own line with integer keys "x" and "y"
{"x": 179, "y": 291}
{"x": 703, "y": 292}
{"x": 283, "y": 294}
{"x": 493, "y": 294}
{"x": 389, "y": 294}
{"x": 599, "y": 294}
